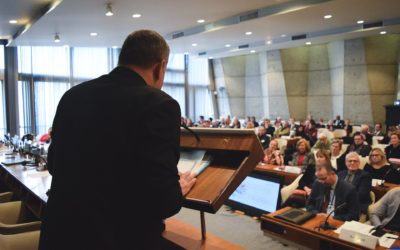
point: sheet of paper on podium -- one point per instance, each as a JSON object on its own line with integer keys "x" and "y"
{"x": 194, "y": 161}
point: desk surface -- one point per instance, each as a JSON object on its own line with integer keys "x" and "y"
{"x": 307, "y": 235}
{"x": 289, "y": 177}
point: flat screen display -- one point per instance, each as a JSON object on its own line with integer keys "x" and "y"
{"x": 258, "y": 194}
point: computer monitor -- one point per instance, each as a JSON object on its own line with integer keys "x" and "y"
{"x": 259, "y": 193}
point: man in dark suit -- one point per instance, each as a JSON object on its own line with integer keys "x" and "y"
{"x": 359, "y": 146}
{"x": 360, "y": 179}
{"x": 116, "y": 195}
{"x": 329, "y": 192}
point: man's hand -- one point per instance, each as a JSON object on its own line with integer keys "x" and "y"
{"x": 186, "y": 181}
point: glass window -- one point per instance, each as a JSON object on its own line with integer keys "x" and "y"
{"x": 89, "y": 63}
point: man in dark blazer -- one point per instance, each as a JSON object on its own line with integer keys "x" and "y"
{"x": 114, "y": 154}
{"x": 360, "y": 179}
{"x": 329, "y": 192}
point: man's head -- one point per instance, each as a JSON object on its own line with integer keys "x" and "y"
{"x": 146, "y": 50}
{"x": 323, "y": 138}
{"x": 352, "y": 162}
{"x": 336, "y": 146}
{"x": 325, "y": 173}
{"x": 261, "y": 131}
{"x": 378, "y": 126}
{"x": 358, "y": 138}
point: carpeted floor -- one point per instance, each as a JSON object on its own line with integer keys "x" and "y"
{"x": 239, "y": 229}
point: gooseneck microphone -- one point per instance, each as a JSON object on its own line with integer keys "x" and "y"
{"x": 326, "y": 225}
{"x": 183, "y": 125}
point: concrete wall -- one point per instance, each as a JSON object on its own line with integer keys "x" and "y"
{"x": 352, "y": 78}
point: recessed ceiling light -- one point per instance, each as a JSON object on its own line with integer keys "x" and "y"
{"x": 13, "y": 21}
{"x": 227, "y": 45}
{"x": 360, "y": 21}
{"x": 93, "y": 34}
{"x": 252, "y": 51}
{"x": 57, "y": 38}
{"x": 328, "y": 16}
{"x": 109, "y": 11}
{"x": 308, "y": 43}
{"x": 248, "y": 33}
{"x": 137, "y": 15}
{"x": 283, "y": 35}
{"x": 114, "y": 47}
{"x": 269, "y": 42}
{"x": 201, "y": 21}
{"x": 194, "y": 44}
{"x": 210, "y": 57}
{"x": 382, "y": 32}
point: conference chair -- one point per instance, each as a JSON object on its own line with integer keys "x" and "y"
{"x": 11, "y": 219}
{"x": 339, "y": 133}
{"x": 363, "y": 161}
{"x": 364, "y": 217}
{"x": 20, "y": 241}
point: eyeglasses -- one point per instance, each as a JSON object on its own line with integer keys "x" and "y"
{"x": 353, "y": 161}
{"x": 374, "y": 155}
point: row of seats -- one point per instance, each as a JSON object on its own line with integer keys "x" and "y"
{"x": 15, "y": 234}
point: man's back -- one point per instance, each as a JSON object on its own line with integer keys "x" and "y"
{"x": 115, "y": 143}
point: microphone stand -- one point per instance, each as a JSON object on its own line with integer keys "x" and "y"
{"x": 326, "y": 225}
{"x": 191, "y": 131}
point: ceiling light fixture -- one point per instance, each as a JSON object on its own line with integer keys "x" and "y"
{"x": 201, "y": 21}
{"x": 328, "y": 16}
{"x": 248, "y": 33}
{"x": 227, "y": 45}
{"x": 252, "y": 51}
{"x": 308, "y": 43}
{"x": 360, "y": 21}
{"x": 109, "y": 11}
{"x": 283, "y": 35}
{"x": 194, "y": 44}
{"x": 269, "y": 42}
{"x": 57, "y": 38}
{"x": 93, "y": 34}
{"x": 210, "y": 57}
{"x": 13, "y": 21}
{"x": 382, "y": 32}
{"x": 137, "y": 15}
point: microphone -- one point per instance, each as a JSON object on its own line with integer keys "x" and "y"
{"x": 183, "y": 125}
{"x": 384, "y": 177}
{"x": 326, "y": 225}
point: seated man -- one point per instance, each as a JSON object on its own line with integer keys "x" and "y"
{"x": 359, "y": 146}
{"x": 329, "y": 192}
{"x": 323, "y": 143}
{"x": 360, "y": 179}
{"x": 387, "y": 214}
{"x": 263, "y": 137}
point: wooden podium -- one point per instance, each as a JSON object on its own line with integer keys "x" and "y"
{"x": 235, "y": 153}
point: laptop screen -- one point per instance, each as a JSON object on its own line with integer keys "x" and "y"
{"x": 258, "y": 194}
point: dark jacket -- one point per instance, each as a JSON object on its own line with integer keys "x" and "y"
{"x": 392, "y": 152}
{"x": 113, "y": 158}
{"x": 344, "y": 192}
{"x": 362, "y": 181}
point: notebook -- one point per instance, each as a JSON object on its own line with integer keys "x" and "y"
{"x": 295, "y": 215}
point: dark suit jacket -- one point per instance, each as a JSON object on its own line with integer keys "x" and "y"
{"x": 362, "y": 181}
{"x": 113, "y": 158}
{"x": 344, "y": 192}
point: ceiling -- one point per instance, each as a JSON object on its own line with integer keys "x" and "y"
{"x": 273, "y": 23}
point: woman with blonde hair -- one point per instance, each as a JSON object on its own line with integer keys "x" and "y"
{"x": 380, "y": 169}
{"x": 272, "y": 154}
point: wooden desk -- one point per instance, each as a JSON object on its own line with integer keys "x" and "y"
{"x": 189, "y": 237}
{"x": 289, "y": 177}
{"x": 307, "y": 236}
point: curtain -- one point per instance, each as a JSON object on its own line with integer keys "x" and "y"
{"x": 199, "y": 91}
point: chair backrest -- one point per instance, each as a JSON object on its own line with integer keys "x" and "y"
{"x": 20, "y": 241}
{"x": 339, "y": 133}
{"x": 281, "y": 142}
{"x": 363, "y": 161}
{"x": 376, "y": 139}
{"x": 356, "y": 129}
{"x": 344, "y": 147}
{"x": 381, "y": 146}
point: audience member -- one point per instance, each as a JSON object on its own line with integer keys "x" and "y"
{"x": 365, "y": 132}
{"x": 322, "y": 143}
{"x": 360, "y": 179}
{"x": 393, "y": 150}
{"x": 263, "y": 137}
{"x": 282, "y": 130}
{"x": 338, "y": 158}
{"x": 338, "y": 123}
{"x": 328, "y": 192}
{"x": 378, "y": 130}
{"x": 380, "y": 169}
{"x": 46, "y": 138}
{"x": 272, "y": 154}
{"x": 235, "y": 123}
{"x": 302, "y": 157}
{"x": 359, "y": 146}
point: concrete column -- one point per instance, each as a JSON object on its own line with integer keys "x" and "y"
{"x": 336, "y": 63}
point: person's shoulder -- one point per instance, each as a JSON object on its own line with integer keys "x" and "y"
{"x": 342, "y": 173}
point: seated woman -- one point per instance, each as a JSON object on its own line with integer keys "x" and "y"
{"x": 393, "y": 150}
{"x": 299, "y": 196}
{"x": 46, "y": 138}
{"x": 302, "y": 157}
{"x": 338, "y": 158}
{"x": 323, "y": 143}
{"x": 380, "y": 169}
{"x": 272, "y": 154}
